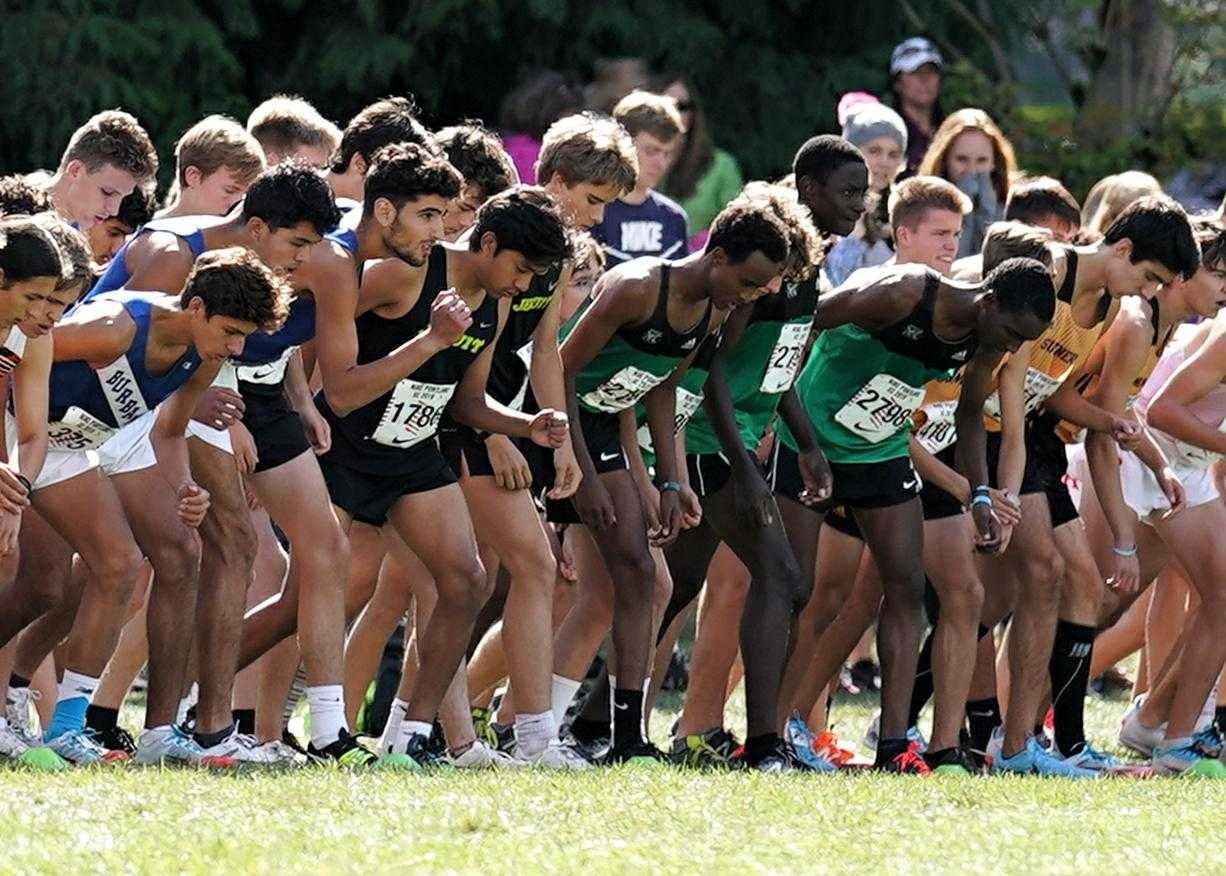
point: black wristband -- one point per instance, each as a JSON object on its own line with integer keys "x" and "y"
{"x": 25, "y": 482}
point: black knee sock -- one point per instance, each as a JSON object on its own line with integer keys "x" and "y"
{"x": 101, "y": 718}
{"x": 244, "y": 719}
{"x": 1070, "y": 675}
{"x": 1219, "y": 718}
{"x": 983, "y": 716}
{"x": 924, "y": 684}
{"x": 627, "y": 716}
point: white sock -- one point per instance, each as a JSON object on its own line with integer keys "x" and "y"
{"x": 612, "y": 697}
{"x": 186, "y": 703}
{"x": 76, "y": 685}
{"x": 409, "y": 729}
{"x": 327, "y": 703}
{"x": 533, "y": 733}
{"x": 391, "y": 730}
{"x": 564, "y": 690}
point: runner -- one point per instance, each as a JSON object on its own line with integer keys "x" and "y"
{"x": 623, "y": 348}
{"x": 387, "y": 424}
{"x": 285, "y": 213}
{"x": 107, "y": 157}
{"x": 39, "y": 277}
{"x": 106, "y": 421}
{"x": 478, "y": 155}
{"x": 107, "y": 238}
{"x": 215, "y": 162}
{"x": 288, "y": 127}
{"x": 391, "y": 120}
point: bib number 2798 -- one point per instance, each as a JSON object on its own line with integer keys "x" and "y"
{"x": 880, "y": 409}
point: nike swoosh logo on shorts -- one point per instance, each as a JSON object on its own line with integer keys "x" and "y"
{"x": 609, "y": 457}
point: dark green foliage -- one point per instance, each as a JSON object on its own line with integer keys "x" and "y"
{"x": 769, "y": 73}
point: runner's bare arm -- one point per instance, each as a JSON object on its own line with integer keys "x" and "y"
{"x": 159, "y": 262}
{"x": 97, "y": 333}
{"x": 169, "y": 433}
{"x": 1126, "y": 345}
{"x": 30, "y": 405}
{"x": 1200, "y": 373}
{"x": 1011, "y": 387}
{"x": 347, "y": 384}
{"x": 546, "y": 370}
{"x": 472, "y": 407}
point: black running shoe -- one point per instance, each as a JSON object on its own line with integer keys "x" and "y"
{"x": 866, "y": 675}
{"x": 636, "y": 753}
{"x": 594, "y": 751}
{"x": 116, "y": 739}
{"x": 504, "y": 737}
{"x": 950, "y": 761}
{"x": 421, "y": 751}
{"x": 346, "y": 751}
{"x": 291, "y": 740}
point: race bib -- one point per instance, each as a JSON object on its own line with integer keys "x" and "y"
{"x": 622, "y": 390}
{"x": 121, "y": 391}
{"x": 412, "y": 414}
{"x": 78, "y": 430}
{"x": 687, "y": 403}
{"x": 268, "y": 374}
{"x": 881, "y": 409}
{"x": 785, "y": 358}
{"x": 1038, "y": 388}
{"x": 938, "y": 431}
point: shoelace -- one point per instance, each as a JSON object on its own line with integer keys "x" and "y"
{"x": 910, "y": 761}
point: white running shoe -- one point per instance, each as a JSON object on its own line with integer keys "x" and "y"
{"x": 169, "y": 745}
{"x": 1134, "y": 735}
{"x": 247, "y": 751}
{"x": 20, "y": 713}
{"x": 12, "y": 746}
{"x": 480, "y": 756}
{"x": 557, "y": 755}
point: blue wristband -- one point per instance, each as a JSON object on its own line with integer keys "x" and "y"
{"x": 669, "y": 486}
{"x": 1124, "y": 552}
{"x": 982, "y": 490}
{"x": 981, "y": 499}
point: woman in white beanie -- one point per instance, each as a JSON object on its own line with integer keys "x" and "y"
{"x": 879, "y": 133}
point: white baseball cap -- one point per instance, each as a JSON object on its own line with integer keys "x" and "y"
{"x": 913, "y": 53}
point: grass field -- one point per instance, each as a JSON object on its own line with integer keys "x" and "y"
{"x": 660, "y": 820}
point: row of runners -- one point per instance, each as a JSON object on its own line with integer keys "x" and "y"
{"x": 420, "y": 373}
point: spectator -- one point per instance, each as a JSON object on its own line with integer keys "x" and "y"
{"x": 1112, "y": 194}
{"x": 915, "y": 80}
{"x": 643, "y": 222}
{"x": 615, "y": 78}
{"x": 879, "y": 133}
{"x": 528, "y": 111}
{"x": 970, "y": 151}
{"x": 703, "y": 178}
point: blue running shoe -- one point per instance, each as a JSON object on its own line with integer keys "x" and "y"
{"x": 1033, "y": 760}
{"x": 801, "y": 739}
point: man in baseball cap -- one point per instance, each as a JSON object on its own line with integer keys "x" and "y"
{"x": 915, "y": 79}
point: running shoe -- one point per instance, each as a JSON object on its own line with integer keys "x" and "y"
{"x": 950, "y": 762}
{"x": 347, "y": 752}
{"x": 636, "y": 753}
{"x": 1187, "y": 759}
{"x": 779, "y": 760}
{"x": 289, "y": 740}
{"x": 1209, "y": 738}
{"x": 1134, "y": 735}
{"x": 909, "y": 762}
{"x": 1034, "y": 760}
{"x": 709, "y": 750}
{"x": 827, "y": 744}
{"x": 595, "y": 751}
{"x": 116, "y": 739}
{"x": 872, "y": 735}
{"x": 422, "y": 752}
{"x": 247, "y": 751}
{"x": 172, "y": 746}
{"x": 796, "y": 733}
{"x": 480, "y": 756}
{"x": 557, "y": 755}
{"x": 1090, "y": 758}
{"x": 12, "y": 745}
{"x": 1111, "y": 683}
{"x": 80, "y": 748}
{"x": 20, "y": 713}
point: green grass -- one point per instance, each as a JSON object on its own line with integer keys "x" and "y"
{"x": 628, "y": 819}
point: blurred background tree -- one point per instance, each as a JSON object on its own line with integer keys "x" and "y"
{"x": 1083, "y": 87}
